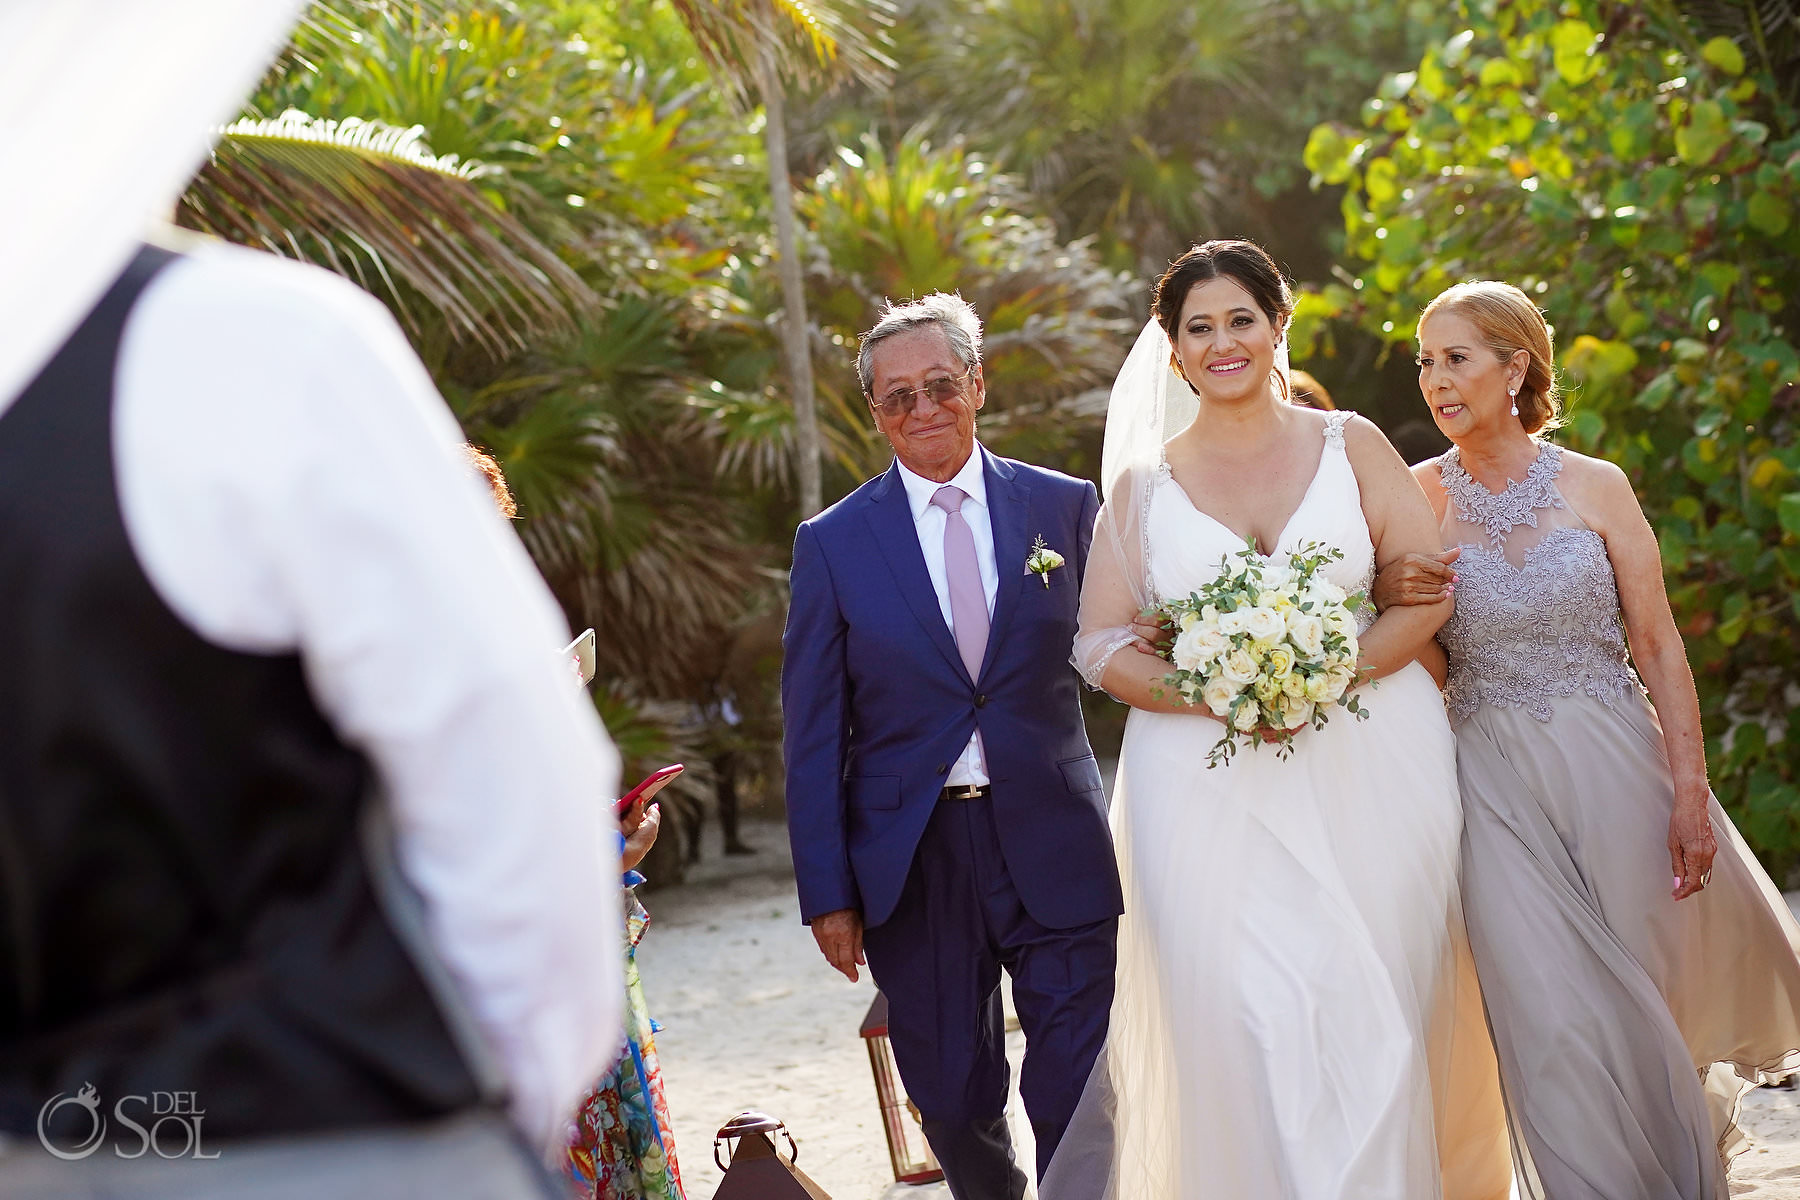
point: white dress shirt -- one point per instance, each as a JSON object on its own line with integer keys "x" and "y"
{"x": 291, "y": 481}
{"x": 928, "y": 521}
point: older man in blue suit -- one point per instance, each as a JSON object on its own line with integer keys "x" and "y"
{"x": 944, "y": 806}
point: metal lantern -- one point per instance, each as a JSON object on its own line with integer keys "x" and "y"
{"x": 907, "y": 1147}
{"x": 755, "y": 1169}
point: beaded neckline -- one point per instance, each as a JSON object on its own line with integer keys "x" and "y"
{"x": 1501, "y": 512}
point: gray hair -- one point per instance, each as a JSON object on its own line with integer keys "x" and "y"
{"x": 948, "y": 311}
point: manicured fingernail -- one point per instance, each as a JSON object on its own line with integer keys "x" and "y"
{"x": 1678, "y": 882}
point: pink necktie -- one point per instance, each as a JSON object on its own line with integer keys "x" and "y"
{"x": 968, "y": 601}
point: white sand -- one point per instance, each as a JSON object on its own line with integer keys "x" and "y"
{"x": 755, "y": 1019}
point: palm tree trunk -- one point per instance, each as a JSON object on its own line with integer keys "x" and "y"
{"x": 795, "y": 330}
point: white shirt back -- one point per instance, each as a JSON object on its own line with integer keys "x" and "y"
{"x": 291, "y": 482}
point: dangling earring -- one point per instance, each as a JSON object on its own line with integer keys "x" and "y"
{"x": 1512, "y": 393}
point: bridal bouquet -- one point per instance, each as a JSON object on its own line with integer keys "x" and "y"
{"x": 1268, "y": 646}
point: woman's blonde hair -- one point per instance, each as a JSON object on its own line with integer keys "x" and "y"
{"x": 1509, "y": 322}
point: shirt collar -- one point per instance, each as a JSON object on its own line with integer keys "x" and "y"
{"x": 972, "y": 479}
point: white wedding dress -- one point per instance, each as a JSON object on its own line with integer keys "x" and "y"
{"x": 1295, "y": 1015}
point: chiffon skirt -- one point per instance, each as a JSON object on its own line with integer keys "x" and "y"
{"x": 1628, "y": 1024}
{"x": 1296, "y": 1014}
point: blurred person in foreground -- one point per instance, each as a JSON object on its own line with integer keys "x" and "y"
{"x": 1638, "y": 966}
{"x": 298, "y": 819}
{"x": 621, "y": 1142}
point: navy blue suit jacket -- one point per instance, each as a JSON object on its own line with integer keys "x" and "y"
{"x": 878, "y": 704}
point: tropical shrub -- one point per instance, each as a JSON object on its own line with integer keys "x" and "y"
{"x": 1640, "y": 179}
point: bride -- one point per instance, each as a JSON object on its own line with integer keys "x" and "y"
{"x": 1296, "y": 1015}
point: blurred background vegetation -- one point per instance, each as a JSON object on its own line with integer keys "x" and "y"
{"x": 635, "y": 243}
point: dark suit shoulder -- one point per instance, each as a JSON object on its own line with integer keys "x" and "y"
{"x": 1055, "y": 482}
{"x": 845, "y": 515}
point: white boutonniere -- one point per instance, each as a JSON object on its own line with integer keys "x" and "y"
{"x": 1042, "y": 560}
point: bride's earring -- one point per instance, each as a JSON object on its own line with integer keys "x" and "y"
{"x": 1512, "y": 394}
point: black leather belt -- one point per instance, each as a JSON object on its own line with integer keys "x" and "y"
{"x": 968, "y": 791}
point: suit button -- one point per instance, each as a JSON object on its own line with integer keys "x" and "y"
{"x": 980, "y": 699}
{"x": 943, "y": 768}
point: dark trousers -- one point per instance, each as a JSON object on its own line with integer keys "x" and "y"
{"x": 938, "y": 959}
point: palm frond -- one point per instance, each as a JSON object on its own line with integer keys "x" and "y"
{"x": 369, "y": 201}
{"x": 812, "y": 42}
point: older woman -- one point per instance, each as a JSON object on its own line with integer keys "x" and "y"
{"x": 1628, "y": 1015}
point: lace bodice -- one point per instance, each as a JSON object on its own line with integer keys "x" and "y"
{"x": 1186, "y": 547}
{"x": 1537, "y": 608}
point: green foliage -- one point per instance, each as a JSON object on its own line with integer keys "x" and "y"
{"x": 1640, "y": 181}
{"x": 894, "y": 224}
{"x": 366, "y": 200}
{"x": 1149, "y": 124}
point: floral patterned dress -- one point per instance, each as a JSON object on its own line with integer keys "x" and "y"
{"x": 621, "y": 1144}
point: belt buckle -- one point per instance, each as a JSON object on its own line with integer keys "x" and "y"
{"x": 964, "y": 791}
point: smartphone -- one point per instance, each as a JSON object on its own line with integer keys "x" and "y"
{"x": 646, "y": 791}
{"x": 580, "y": 654}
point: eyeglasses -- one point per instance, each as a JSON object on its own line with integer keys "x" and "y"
{"x": 939, "y": 391}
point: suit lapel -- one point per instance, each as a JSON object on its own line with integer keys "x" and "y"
{"x": 890, "y": 519}
{"x": 1009, "y": 510}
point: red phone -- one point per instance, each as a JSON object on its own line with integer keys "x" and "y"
{"x": 646, "y": 791}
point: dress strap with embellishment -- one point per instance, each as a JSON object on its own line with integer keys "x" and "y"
{"x": 1334, "y": 427}
{"x": 1499, "y": 513}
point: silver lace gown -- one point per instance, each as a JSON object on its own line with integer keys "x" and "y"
{"x": 1627, "y": 1024}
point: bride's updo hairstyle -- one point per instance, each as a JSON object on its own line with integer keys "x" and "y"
{"x": 1244, "y": 263}
{"x": 1509, "y": 322}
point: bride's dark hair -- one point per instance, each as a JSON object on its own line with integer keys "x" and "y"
{"x": 1245, "y": 263}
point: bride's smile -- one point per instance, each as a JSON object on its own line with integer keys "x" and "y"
{"x": 1226, "y": 343}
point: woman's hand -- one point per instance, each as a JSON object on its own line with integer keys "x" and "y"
{"x": 1153, "y": 632}
{"x": 1691, "y": 847}
{"x": 1415, "y": 579}
{"x": 640, "y": 825}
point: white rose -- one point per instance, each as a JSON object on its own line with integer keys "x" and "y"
{"x": 1248, "y": 714}
{"x": 1307, "y": 632}
{"x": 1264, "y": 624}
{"x": 1268, "y": 690}
{"x": 1340, "y": 678}
{"x": 1294, "y": 714}
{"x": 1294, "y": 685}
{"x": 1339, "y": 619}
{"x": 1212, "y": 643}
{"x": 1325, "y": 591}
{"x": 1194, "y": 650}
{"x": 1188, "y": 620}
{"x": 1239, "y": 666}
{"x": 1279, "y": 661}
{"x": 1218, "y": 695}
{"x": 1318, "y": 688}
{"x": 1277, "y": 576}
{"x": 1235, "y": 621}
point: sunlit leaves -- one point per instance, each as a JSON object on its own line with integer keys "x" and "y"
{"x": 896, "y": 222}
{"x": 1641, "y": 186}
{"x": 371, "y": 202}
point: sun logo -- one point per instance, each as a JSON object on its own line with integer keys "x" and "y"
{"x": 89, "y": 1098}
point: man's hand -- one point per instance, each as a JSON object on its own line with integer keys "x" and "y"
{"x": 839, "y": 935}
{"x": 1153, "y": 632}
{"x": 1416, "y": 579}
